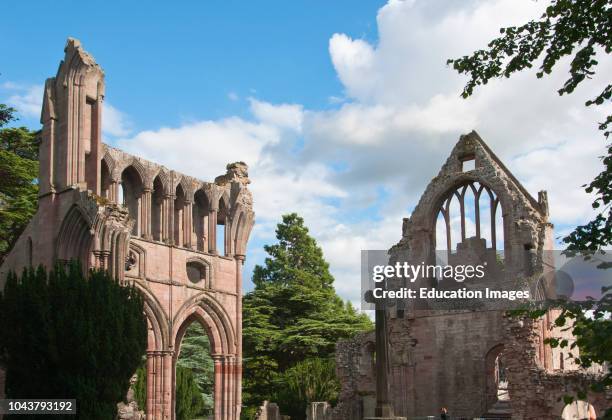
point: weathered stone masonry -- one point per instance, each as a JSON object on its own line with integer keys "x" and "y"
{"x": 148, "y": 225}
{"x": 455, "y": 359}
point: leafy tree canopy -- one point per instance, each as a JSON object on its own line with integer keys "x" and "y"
{"x": 292, "y": 315}
{"x": 18, "y": 173}
{"x": 189, "y": 401}
{"x": 581, "y": 29}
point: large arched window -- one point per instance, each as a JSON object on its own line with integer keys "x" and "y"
{"x": 179, "y": 214}
{"x": 157, "y": 205}
{"x": 131, "y": 194}
{"x": 472, "y": 210}
{"x": 222, "y": 226}
{"x": 105, "y": 181}
{"x": 200, "y": 212}
{"x": 194, "y": 359}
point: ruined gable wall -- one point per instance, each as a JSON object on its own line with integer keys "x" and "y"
{"x": 447, "y": 359}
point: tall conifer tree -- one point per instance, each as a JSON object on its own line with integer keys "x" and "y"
{"x": 292, "y": 315}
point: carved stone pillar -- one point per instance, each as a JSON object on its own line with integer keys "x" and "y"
{"x": 187, "y": 224}
{"x": 158, "y": 408}
{"x": 227, "y": 237}
{"x": 168, "y": 364}
{"x": 101, "y": 259}
{"x": 218, "y": 392}
{"x": 113, "y": 191}
{"x": 204, "y": 232}
{"x": 212, "y": 232}
{"x": 150, "y": 384}
{"x": 146, "y": 213}
{"x": 229, "y": 391}
{"x": 238, "y": 365}
{"x": 168, "y": 219}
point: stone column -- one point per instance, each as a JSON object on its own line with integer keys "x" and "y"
{"x": 187, "y": 224}
{"x": 238, "y": 364}
{"x": 150, "y": 384}
{"x": 227, "y": 387}
{"x": 205, "y": 233}
{"x": 146, "y": 213}
{"x": 168, "y": 219}
{"x": 157, "y": 410}
{"x": 168, "y": 385}
{"x": 227, "y": 237}
{"x": 384, "y": 408}
{"x": 218, "y": 392}
{"x": 212, "y": 231}
{"x": 113, "y": 192}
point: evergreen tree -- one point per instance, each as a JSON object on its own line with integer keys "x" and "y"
{"x": 293, "y": 314}
{"x": 189, "y": 401}
{"x": 66, "y": 335}
{"x": 195, "y": 357}
{"x": 140, "y": 387}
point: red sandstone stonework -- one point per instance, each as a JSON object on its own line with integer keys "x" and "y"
{"x": 448, "y": 358}
{"x": 162, "y": 237}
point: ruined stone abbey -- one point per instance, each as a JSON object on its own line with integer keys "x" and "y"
{"x": 148, "y": 226}
{"x": 182, "y": 242}
{"x": 478, "y": 363}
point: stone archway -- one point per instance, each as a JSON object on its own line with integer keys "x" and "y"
{"x": 579, "y": 410}
{"x": 211, "y": 315}
{"x": 496, "y": 378}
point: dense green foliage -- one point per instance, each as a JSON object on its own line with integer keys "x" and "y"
{"x": 140, "y": 387}
{"x": 18, "y": 173}
{"x": 581, "y": 29}
{"x": 189, "y": 401}
{"x": 292, "y": 315}
{"x": 312, "y": 380}
{"x": 67, "y": 335}
{"x": 195, "y": 357}
{"x": 578, "y": 28}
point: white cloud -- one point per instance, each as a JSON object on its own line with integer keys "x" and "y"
{"x": 203, "y": 148}
{"x": 27, "y": 99}
{"x": 354, "y": 171}
{"x": 280, "y": 115}
{"x": 114, "y": 122}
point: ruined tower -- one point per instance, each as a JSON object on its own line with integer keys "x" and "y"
{"x": 181, "y": 241}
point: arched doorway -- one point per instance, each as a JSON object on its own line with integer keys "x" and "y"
{"x": 194, "y": 374}
{"x": 497, "y": 395}
{"x": 205, "y": 311}
{"x": 579, "y": 410}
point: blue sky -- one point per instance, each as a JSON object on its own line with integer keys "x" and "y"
{"x": 167, "y": 62}
{"x": 344, "y": 110}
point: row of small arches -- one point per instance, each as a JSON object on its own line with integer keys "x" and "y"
{"x": 191, "y": 224}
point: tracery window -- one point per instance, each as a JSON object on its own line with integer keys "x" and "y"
{"x": 472, "y": 210}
